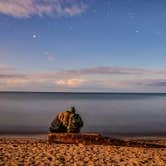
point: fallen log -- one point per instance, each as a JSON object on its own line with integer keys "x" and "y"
{"x": 97, "y": 139}
{"x": 74, "y": 138}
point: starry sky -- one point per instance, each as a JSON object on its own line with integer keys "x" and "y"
{"x": 83, "y": 45}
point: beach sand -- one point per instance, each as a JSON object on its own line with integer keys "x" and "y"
{"x": 33, "y": 151}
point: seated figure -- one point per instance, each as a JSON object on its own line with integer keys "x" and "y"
{"x": 67, "y": 121}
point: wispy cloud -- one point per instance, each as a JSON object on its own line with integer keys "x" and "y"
{"x": 158, "y": 83}
{"x": 106, "y": 71}
{"x": 92, "y": 79}
{"x": 2, "y": 76}
{"x": 28, "y": 8}
{"x": 5, "y": 68}
{"x": 74, "y": 82}
{"x": 7, "y": 71}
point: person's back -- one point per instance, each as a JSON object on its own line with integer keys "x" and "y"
{"x": 56, "y": 125}
{"x": 67, "y": 121}
{"x": 75, "y": 123}
{"x": 64, "y": 117}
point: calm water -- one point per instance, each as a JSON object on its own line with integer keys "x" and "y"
{"x": 112, "y": 113}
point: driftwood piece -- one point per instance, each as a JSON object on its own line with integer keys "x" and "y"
{"x": 74, "y": 138}
{"x": 97, "y": 139}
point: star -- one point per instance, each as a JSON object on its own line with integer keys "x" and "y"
{"x": 34, "y": 36}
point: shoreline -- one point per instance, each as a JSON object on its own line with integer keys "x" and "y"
{"x": 124, "y": 141}
{"x": 118, "y": 136}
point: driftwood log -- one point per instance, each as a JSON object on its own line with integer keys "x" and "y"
{"x": 97, "y": 139}
{"x": 74, "y": 138}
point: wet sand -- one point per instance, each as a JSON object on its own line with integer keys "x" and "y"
{"x": 38, "y": 152}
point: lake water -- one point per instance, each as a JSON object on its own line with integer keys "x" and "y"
{"x": 108, "y": 113}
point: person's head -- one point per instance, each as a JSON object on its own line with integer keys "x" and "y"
{"x": 72, "y": 109}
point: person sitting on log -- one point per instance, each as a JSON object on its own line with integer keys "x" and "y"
{"x": 67, "y": 121}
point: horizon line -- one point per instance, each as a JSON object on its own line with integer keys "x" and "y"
{"x": 83, "y": 92}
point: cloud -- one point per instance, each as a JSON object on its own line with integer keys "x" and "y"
{"x": 158, "y": 83}
{"x": 7, "y": 72}
{"x": 106, "y": 71}
{"x": 16, "y": 82}
{"x": 74, "y": 82}
{"x": 2, "y": 76}
{"x": 89, "y": 79}
{"x": 5, "y": 68}
{"x": 28, "y": 8}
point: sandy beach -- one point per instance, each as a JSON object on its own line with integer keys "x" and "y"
{"x": 37, "y": 151}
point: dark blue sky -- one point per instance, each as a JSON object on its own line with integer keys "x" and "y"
{"x": 97, "y": 40}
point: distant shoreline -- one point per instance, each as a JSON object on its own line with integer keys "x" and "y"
{"x": 121, "y": 93}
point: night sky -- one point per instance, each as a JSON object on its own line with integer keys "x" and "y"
{"x": 83, "y": 45}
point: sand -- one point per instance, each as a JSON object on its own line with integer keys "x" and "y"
{"x": 37, "y": 152}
